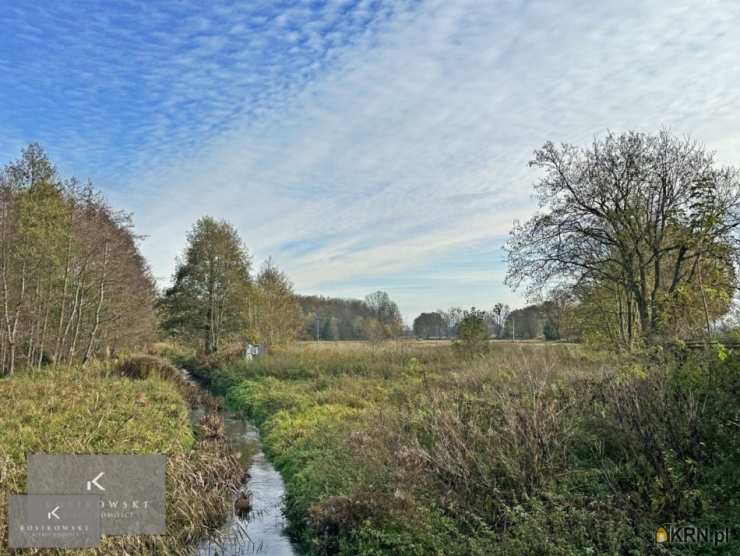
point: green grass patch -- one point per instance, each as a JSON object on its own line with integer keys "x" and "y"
{"x": 84, "y": 411}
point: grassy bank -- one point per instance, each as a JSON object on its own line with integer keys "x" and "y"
{"x": 97, "y": 411}
{"x": 530, "y": 449}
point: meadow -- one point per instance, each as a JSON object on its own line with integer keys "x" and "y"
{"x": 131, "y": 407}
{"x": 419, "y": 448}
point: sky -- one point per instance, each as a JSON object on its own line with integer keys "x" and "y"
{"x": 362, "y": 144}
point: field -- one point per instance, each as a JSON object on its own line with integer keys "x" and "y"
{"x": 95, "y": 411}
{"x": 417, "y": 448}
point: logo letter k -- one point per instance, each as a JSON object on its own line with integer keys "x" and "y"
{"x": 95, "y": 482}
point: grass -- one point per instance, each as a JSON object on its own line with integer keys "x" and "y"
{"x": 96, "y": 411}
{"x": 531, "y": 448}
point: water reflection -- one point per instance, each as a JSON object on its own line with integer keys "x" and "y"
{"x": 262, "y": 531}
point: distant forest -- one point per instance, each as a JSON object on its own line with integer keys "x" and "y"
{"x": 546, "y": 320}
{"x": 332, "y": 318}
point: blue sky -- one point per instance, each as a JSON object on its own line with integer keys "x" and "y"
{"x": 363, "y": 144}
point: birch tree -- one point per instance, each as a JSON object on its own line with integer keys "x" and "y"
{"x": 73, "y": 284}
{"x": 278, "y": 314}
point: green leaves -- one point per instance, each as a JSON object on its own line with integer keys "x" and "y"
{"x": 209, "y": 299}
{"x": 472, "y": 332}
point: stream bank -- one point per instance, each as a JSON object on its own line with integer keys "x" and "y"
{"x": 262, "y": 530}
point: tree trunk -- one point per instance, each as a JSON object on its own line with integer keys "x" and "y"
{"x": 42, "y": 337}
{"x": 60, "y": 326}
{"x": 34, "y": 316}
{"x": 73, "y": 345}
{"x": 14, "y": 329}
{"x": 101, "y": 296}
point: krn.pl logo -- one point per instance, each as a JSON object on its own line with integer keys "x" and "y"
{"x": 691, "y": 534}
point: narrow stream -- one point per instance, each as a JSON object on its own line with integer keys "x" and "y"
{"x": 262, "y": 531}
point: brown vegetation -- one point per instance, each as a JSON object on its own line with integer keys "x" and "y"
{"x": 408, "y": 448}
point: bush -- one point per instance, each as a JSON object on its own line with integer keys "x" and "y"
{"x": 472, "y": 333}
{"x": 141, "y": 366}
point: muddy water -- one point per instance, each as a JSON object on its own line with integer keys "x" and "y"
{"x": 262, "y": 531}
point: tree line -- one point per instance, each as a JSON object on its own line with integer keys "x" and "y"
{"x": 74, "y": 285}
{"x": 445, "y": 324}
{"x": 376, "y": 317}
{"x": 72, "y": 280}
{"x": 215, "y": 300}
{"x": 635, "y": 243}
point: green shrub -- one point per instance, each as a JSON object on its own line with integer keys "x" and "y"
{"x": 472, "y": 333}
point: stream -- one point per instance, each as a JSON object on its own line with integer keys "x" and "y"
{"x": 262, "y": 531}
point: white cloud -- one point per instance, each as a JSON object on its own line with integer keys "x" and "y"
{"x": 406, "y": 140}
{"x": 414, "y": 143}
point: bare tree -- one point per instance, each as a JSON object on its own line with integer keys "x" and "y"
{"x": 650, "y": 215}
{"x": 386, "y": 312}
{"x": 500, "y": 313}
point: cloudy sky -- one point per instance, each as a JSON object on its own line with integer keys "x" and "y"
{"x": 363, "y": 144}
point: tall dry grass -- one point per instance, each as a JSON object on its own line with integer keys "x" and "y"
{"x": 403, "y": 447}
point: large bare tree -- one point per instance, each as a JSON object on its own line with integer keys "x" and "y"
{"x": 649, "y": 217}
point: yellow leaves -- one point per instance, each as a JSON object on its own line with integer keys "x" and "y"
{"x": 629, "y": 372}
